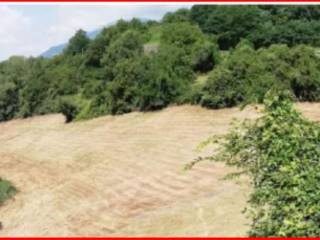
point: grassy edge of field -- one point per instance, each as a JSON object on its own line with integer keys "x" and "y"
{"x": 7, "y": 191}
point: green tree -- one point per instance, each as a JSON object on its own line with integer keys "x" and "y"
{"x": 166, "y": 79}
{"x": 12, "y": 79}
{"x": 78, "y": 43}
{"x": 201, "y": 51}
{"x": 228, "y": 23}
{"x": 127, "y": 46}
{"x": 35, "y": 91}
{"x": 181, "y": 15}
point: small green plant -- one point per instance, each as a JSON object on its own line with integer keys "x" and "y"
{"x": 280, "y": 152}
{"x": 6, "y": 190}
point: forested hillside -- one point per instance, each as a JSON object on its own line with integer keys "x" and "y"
{"x": 240, "y": 51}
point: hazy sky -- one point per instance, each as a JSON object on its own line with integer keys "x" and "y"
{"x": 31, "y": 29}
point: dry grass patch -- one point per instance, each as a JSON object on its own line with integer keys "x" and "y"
{"x": 120, "y": 176}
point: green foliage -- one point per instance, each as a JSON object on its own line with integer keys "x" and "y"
{"x": 221, "y": 90}
{"x": 6, "y": 190}
{"x": 229, "y": 23}
{"x": 127, "y": 46}
{"x": 293, "y": 12}
{"x": 194, "y": 93}
{"x": 97, "y": 47}
{"x": 201, "y": 51}
{"x": 263, "y": 25}
{"x": 280, "y": 152}
{"x": 167, "y": 77}
{"x": 34, "y": 97}
{"x": 12, "y": 76}
{"x": 247, "y": 74}
{"x": 78, "y": 43}
{"x": 122, "y": 90}
{"x": 70, "y": 107}
{"x": 292, "y": 33}
{"x": 8, "y": 101}
{"x": 154, "y": 34}
{"x": 135, "y": 81}
{"x": 181, "y": 15}
{"x": 205, "y": 55}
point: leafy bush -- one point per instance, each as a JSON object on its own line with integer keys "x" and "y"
{"x": 280, "y": 152}
{"x": 230, "y": 83}
{"x": 6, "y": 190}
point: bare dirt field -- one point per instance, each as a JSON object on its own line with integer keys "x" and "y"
{"x": 122, "y": 176}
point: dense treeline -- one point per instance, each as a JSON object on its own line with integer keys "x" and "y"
{"x": 262, "y": 25}
{"x": 146, "y": 65}
{"x": 246, "y": 75}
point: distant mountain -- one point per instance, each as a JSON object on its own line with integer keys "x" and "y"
{"x": 55, "y": 50}
{"x": 51, "y": 52}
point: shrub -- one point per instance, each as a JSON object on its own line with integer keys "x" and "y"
{"x": 280, "y": 152}
{"x": 228, "y": 83}
{"x": 6, "y": 190}
{"x": 222, "y": 90}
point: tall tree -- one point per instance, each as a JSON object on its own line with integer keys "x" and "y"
{"x": 78, "y": 43}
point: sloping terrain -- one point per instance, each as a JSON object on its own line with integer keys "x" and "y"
{"x": 121, "y": 176}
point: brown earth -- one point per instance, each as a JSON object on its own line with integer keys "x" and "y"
{"x": 122, "y": 176}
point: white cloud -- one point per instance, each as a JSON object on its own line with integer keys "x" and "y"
{"x": 12, "y": 31}
{"x": 30, "y": 31}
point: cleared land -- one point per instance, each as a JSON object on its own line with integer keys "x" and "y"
{"x": 121, "y": 176}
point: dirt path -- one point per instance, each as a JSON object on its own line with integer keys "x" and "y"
{"x": 120, "y": 176}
